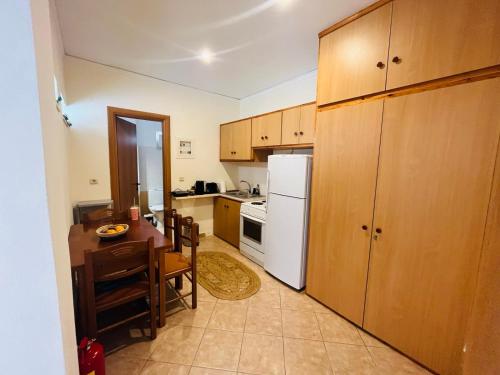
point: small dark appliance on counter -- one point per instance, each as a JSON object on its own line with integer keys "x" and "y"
{"x": 181, "y": 193}
{"x": 199, "y": 187}
{"x": 211, "y": 188}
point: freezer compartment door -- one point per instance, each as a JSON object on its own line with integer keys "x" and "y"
{"x": 289, "y": 175}
{"x": 285, "y": 254}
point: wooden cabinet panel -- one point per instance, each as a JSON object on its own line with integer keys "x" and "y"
{"x": 226, "y": 141}
{"x": 227, "y": 220}
{"x": 348, "y": 58}
{"x": 290, "y": 126}
{"x": 242, "y": 139}
{"x": 307, "y": 122}
{"x": 266, "y": 130}
{"x": 342, "y": 199}
{"x": 436, "y": 39}
{"x": 435, "y": 174}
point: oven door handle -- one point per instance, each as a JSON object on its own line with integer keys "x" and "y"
{"x": 252, "y": 218}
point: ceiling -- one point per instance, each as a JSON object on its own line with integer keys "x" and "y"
{"x": 255, "y": 44}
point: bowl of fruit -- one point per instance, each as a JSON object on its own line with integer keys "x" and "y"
{"x": 112, "y": 230}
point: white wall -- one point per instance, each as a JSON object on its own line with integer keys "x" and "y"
{"x": 194, "y": 114}
{"x": 35, "y": 283}
{"x": 296, "y": 91}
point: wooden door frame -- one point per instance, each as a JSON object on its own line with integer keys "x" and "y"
{"x": 113, "y": 113}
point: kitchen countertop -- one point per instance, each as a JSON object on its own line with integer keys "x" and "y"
{"x": 224, "y": 195}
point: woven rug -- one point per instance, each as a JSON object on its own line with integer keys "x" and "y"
{"x": 226, "y": 277}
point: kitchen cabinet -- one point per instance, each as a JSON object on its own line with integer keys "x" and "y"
{"x": 227, "y": 220}
{"x": 266, "y": 130}
{"x": 298, "y": 125}
{"x": 433, "y": 39}
{"x": 437, "y": 158}
{"x": 343, "y": 193}
{"x": 235, "y": 140}
{"x": 353, "y": 58}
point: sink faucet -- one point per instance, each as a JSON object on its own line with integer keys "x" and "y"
{"x": 249, "y": 186}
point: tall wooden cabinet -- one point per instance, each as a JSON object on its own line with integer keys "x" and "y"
{"x": 344, "y": 177}
{"x": 428, "y": 200}
{"x": 235, "y": 140}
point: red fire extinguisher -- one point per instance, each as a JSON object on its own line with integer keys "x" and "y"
{"x": 91, "y": 357}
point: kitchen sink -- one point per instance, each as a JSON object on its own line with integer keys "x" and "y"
{"x": 242, "y": 194}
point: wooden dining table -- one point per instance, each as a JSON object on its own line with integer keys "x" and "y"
{"x": 83, "y": 237}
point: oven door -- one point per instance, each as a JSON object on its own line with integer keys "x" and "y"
{"x": 252, "y": 232}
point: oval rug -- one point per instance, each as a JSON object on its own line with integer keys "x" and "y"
{"x": 225, "y": 277}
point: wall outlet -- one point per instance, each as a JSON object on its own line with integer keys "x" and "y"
{"x": 181, "y": 179}
{"x": 93, "y": 181}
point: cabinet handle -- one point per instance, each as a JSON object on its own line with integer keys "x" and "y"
{"x": 396, "y": 60}
{"x": 364, "y": 227}
{"x": 265, "y": 137}
{"x": 378, "y": 230}
{"x": 381, "y": 65}
{"x": 301, "y": 133}
{"x": 296, "y": 134}
{"x": 262, "y": 138}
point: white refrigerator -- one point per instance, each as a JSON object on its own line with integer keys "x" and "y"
{"x": 288, "y": 185}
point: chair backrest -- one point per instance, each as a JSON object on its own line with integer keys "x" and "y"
{"x": 118, "y": 261}
{"x": 171, "y": 225}
{"x": 102, "y": 215}
{"x": 189, "y": 232}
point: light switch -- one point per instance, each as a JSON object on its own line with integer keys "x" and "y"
{"x": 93, "y": 181}
{"x": 181, "y": 179}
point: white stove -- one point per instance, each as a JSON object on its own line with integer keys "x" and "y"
{"x": 252, "y": 230}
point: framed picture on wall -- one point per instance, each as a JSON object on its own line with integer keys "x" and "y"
{"x": 185, "y": 148}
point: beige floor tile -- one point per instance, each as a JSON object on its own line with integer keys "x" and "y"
{"x": 262, "y": 355}
{"x": 219, "y": 350}
{"x": 369, "y": 340}
{"x": 209, "y": 371}
{"x": 318, "y": 307}
{"x": 266, "y": 298}
{"x": 178, "y": 345}
{"x": 391, "y": 362}
{"x": 300, "y": 324}
{"x": 350, "y": 359}
{"x": 142, "y": 349}
{"x": 117, "y": 364}
{"x": 293, "y": 300}
{"x": 334, "y": 328}
{"x": 204, "y": 295}
{"x": 303, "y": 357}
{"x": 264, "y": 320}
{"x": 238, "y": 303}
{"x": 228, "y": 317}
{"x": 198, "y": 317}
{"x": 159, "y": 368}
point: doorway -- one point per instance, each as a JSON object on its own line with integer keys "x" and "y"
{"x": 133, "y": 138}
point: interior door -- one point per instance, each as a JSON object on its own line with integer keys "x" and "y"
{"x": 290, "y": 126}
{"x": 242, "y": 135}
{"x": 226, "y": 142}
{"x": 433, "y": 188}
{"x": 352, "y": 59}
{"x": 307, "y": 121}
{"x": 435, "y": 39}
{"x": 342, "y": 199}
{"x": 126, "y": 140}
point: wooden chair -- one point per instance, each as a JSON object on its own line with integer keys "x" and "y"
{"x": 175, "y": 264}
{"x": 103, "y": 216}
{"x": 131, "y": 267}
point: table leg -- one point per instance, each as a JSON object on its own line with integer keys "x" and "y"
{"x": 82, "y": 301}
{"x": 161, "y": 288}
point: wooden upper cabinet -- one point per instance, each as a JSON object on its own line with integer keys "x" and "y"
{"x": 353, "y": 58}
{"x": 432, "y": 39}
{"x": 235, "y": 140}
{"x": 307, "y": 123}
{"x": 290, "y": 127}
{"x": 266, "y": 130}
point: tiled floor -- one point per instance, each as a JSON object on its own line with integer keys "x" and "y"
{"x": 276, "y": 331}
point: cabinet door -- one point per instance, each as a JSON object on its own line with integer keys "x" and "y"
{"x": 220, "y": 215}
{"x": 435, "y": 39}
{"x": 242, "y": 139}
{"x": 290, "y": 126}
{"x": 226, "y": 142}
{"x": 233, "y": 222}
{"x": 307, "y": 122}
{"x": 436, "y": 165}
{"x": 352, "y": 59}
{"x": 342, "y": 199}
{"x": 266, "y": 130}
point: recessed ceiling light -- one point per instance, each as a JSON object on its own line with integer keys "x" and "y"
{"x": 206, "y": 56}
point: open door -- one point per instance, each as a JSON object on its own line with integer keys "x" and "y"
{"x": 126, "y": 142}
